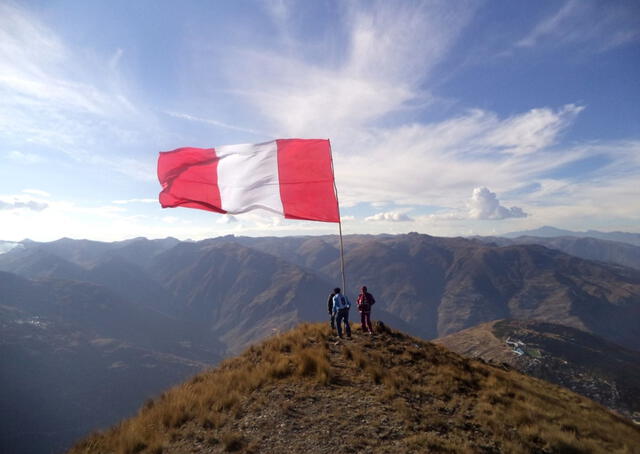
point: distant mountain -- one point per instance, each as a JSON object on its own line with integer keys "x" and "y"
{"x": 40, "y": 263}
{"x": 312, "y": 252}
{"x": 194, "y": 300}
{"x": 130, "y": 281}
{"x": 87, "y": 253}
{"x": 443, "y": 285}
{"x": 6, "y": 246}
{"x": 548, "y": 232}
{"x": 74, "y": 356}
{"x": 244, "y": 288}
{"x": 303, "y": 392}
{"x": 240, "y": 293}
{"x": 587, "y": 248}
{"x": 582, "y": 362}
{"x": 97, "y": 310}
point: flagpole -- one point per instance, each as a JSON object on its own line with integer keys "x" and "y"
{"x": 335, "y": 190}
{"x": 344, "y": 285}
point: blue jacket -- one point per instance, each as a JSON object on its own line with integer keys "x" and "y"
{"x": 340, "y": 301}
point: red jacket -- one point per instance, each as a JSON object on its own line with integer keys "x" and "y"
{"x": 365, "y": 301}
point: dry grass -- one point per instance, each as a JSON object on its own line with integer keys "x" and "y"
{"x": 413, "y": 395}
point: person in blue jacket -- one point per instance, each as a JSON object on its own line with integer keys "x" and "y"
{"x": 341, "y": 307}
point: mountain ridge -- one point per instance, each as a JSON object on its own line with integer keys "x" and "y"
{"x": 302, "y": 392}
{"x": 548, "y": 231}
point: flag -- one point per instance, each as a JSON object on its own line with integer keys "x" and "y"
{"x": 291, "y": 177}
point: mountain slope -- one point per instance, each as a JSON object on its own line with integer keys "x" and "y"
{"x": 99, "y": 311}
{"x": 130, "y": 281}
{"x": 584, "y": 363}
{"x": 60, "y": 382}
{"x": 75, "y": 356}
{"x": 35, "y": 262}
{"x": 547, "y": 231}
{"x": 240, "y": 293}
{"x": 300, "y": 392}
{"x": 443, "y": 285}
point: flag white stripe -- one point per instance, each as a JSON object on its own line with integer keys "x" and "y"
{"x": 248, "y": 177}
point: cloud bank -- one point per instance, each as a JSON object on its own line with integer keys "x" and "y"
{"x": 32, "y": 205}
{"x": 389, "y": 216}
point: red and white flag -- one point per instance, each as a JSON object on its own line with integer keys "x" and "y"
{"x": 291, "y": 177}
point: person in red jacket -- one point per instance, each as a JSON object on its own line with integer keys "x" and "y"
{"x": 365, "y": 301}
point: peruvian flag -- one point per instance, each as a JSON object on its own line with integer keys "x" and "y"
{"x": 291, "y": 177}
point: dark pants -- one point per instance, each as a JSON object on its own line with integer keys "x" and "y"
{"x": 333, "y": 320}
{"x": 365, "y": 319}
{"x": 343, "y": 314}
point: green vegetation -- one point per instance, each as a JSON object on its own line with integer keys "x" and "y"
{"x": 302, "y": 392}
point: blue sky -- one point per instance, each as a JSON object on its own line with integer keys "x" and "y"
{"x": 447, "y": 118}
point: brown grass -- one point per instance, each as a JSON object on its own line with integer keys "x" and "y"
{"x": 413, "y": 395}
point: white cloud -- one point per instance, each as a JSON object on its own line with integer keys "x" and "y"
{"x": 37, "y": 192}
{"x": 348, "y": 92}
{"x": 64, "y": 100}
{"x": 20, "y": 203}
{"x": 389, "y": 216}
{"x": 171, "y": 219}
{"x": 484, "y": 204}
{"x": 127, "y": 201}
{"x": 434, "y": 164}
{"x": 531, "y": 131}
{"x": 603, "y": 24}
{"x": 387, "y": 69}
{"x": 391, "y": 49}
{"x": 24, "y": 157}
{"x": 212, "y": 122}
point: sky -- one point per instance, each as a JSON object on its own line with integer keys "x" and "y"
{"x": 445, "y": 118}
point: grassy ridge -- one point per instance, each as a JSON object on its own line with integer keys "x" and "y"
{"x": 302, "y": 392}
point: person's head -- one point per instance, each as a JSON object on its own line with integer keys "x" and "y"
{"x": 364, "y": 289}
{"x": 336, "y": 290}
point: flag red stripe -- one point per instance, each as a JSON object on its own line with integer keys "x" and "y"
{"x": 189, "y": 178}
{"x": 306, "y": 180}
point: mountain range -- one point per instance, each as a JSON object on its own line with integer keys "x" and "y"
{"x": 606, "y": 251}
{"x": 194, "y": 302}
{"x": 551, "y": 232}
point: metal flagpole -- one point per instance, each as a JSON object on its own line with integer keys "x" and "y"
{"x": 344, "y": 285}
{"x": 335, "y": 190}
